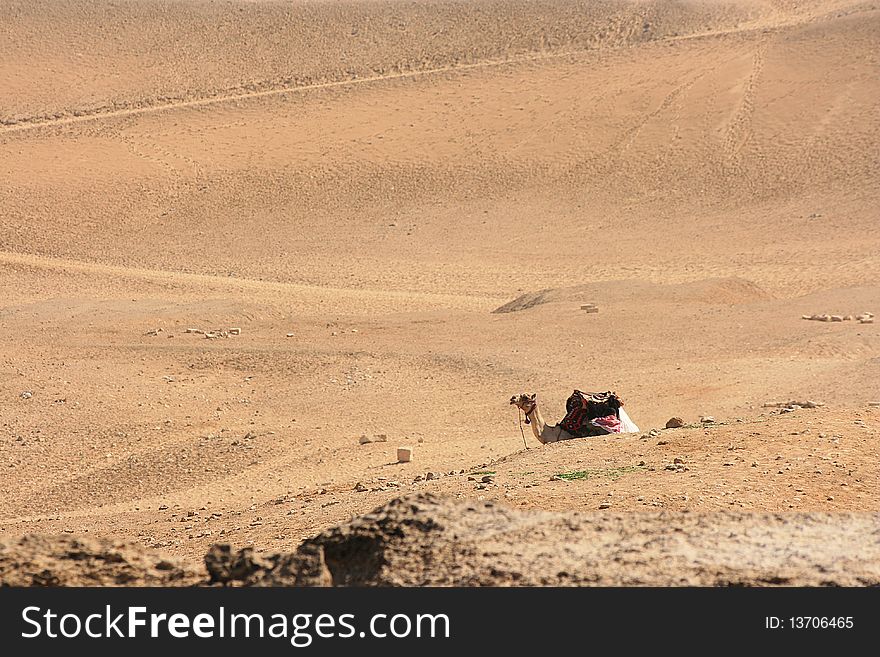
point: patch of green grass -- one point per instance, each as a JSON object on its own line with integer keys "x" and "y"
{"x": 611, "y": 473}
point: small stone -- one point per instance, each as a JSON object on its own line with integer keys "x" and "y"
{"x": 707, "y": 419}
{"x": 404, "y": 454}
{"x": 678, "y": 460}
{"x": 235, "y": 331}
{"x": 654, "y": 433}
{"x": 836, "y": 318}
{"x": 27, "y": 394}
{"x": 360, "y": 488}
{"x": 431, "y": 476}
{"x": 866, "y": 320}
{"x": 488, "y": 479}
{"x": 674, "y": 423}
{"x": 289, "y": 335}
{"x": 830, "y": 498}
{"x": 605, "y": 505}
{"x": 662, "y": 442}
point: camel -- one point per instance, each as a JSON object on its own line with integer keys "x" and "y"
{"x": 545, "y": 433}
{"x": 528, "y": 404}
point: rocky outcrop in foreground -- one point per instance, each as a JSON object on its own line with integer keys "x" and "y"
{"x": 66, "y": 560}
{"x": 428, "y": 540}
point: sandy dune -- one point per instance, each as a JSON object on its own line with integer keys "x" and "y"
{"x": 376, "y": 178}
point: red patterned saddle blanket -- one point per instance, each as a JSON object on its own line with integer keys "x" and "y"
{"x": 592, "y": 414}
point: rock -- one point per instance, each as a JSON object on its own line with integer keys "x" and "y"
{"x": 235, "y": 331}
{"x": 866, "y": 320}
{"x": 662, "y": 442}
{"x": 677, "y": 460}
{"x": 27, "y": 394}
{"x": 380, "y": 438}
{"x": 488, "y": 479}
{"x": 590, "y": 308}
{"x": 654, "y": 433}
{"x": 605, "y": 505}
{"x": 836, "y": 318}
{"x": 707, "y": 419}
{"x": 674, "y": 423}
{"x": 404, "y": 454}
{"x": 360, "y": 488}
{"x": 431, "y": 476}
{"x": 875, "y": 404}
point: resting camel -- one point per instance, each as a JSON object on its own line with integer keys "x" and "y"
{"x": 528, "y": 404}
{"x": 545, "y": 433}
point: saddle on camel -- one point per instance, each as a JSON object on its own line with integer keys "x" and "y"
{"x": 587, "y": 414}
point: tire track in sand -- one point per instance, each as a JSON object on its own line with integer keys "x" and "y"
{"x": 225, "y": 96}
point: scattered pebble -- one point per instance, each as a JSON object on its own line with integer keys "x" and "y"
{"x": 674, "y": 423}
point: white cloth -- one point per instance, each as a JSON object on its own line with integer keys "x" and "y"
{"x": 626, "y": 425}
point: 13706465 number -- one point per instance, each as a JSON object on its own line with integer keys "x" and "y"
{"x": 820, "y": 622}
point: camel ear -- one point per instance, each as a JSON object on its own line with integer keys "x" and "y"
{"x": 533, "y": 396}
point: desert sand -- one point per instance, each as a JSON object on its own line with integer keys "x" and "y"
{"x": 357, "y": 187}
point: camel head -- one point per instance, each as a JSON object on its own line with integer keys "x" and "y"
{"x": 525, "y": 402}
